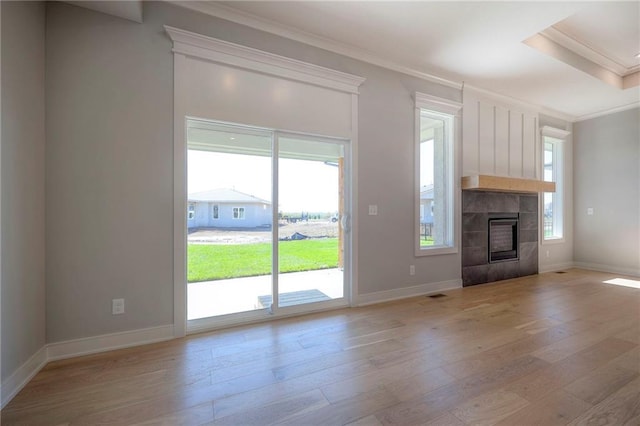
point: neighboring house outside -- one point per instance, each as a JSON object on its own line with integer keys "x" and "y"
{"x": 227, "y": 208}
{"x": 426, "y": 204}
{"x": 426, "y": 210}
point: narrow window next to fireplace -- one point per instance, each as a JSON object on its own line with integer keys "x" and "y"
{"x": 503, "y": 237}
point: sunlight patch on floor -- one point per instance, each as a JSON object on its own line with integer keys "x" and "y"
{"x": 625, "y": 282}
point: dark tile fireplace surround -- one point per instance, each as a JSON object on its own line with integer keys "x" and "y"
{"x": 514, "y": 220}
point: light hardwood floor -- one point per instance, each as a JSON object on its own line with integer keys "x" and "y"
{"x": 551, "y": 349}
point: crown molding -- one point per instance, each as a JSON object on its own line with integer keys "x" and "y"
{"x": 545, "y": 45}
{"x": 585, "y": 50}
{"x": 200, "y": 46}
{"x": 608, "y": 111}
{"x": 560, "y": 46}
{"x": 262, "y": 24}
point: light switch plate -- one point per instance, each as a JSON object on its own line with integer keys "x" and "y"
{"x": 373, "y": 209}
{"x": 117, "y": 306}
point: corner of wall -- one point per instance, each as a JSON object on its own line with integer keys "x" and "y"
{"x": 78, "y": 347}
{"x": 22, "y": 191}
{"x": 20, "y": 377}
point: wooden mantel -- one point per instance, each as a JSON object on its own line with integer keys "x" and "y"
{"x": 506, "y": 184}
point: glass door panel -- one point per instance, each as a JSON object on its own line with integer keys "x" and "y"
{"x": 229, "y": 219}
{"x": 310, "y": 209}
{"x": 261, "y": 201}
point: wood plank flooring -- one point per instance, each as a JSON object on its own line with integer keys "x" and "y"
{"x": 551, "y": 349}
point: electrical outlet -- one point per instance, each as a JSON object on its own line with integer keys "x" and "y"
{"x": 590, "y": 211}
{"x": 547, "y": 254}
{"x": 412, "y": 269}
{"x": 117, "y": 306}
{"x": 373, "y": 209}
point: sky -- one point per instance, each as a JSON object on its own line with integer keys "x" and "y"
{"x": 426, "y": 163}
{"x": 305, "y": 186}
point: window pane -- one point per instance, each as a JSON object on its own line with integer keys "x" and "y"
{"x": 229, "y": 243}
{"x": 548, "y": 162}
{"x": 311, "y": 204}
{"x": 548, "y": 214}
{"x": 435, "y": 216}
{"x": 552, "y": 172}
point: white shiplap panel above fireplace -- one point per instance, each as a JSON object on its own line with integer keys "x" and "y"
{"x": 498, "y": 139}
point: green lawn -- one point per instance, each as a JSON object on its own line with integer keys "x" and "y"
{"x": 207, "y": 262}
{"x": 427, "y": 242}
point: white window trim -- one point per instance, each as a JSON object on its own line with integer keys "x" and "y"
{"x": 452, "y": 109}
{"x": 560, "y": 134}
{"x": 553, "y": 132}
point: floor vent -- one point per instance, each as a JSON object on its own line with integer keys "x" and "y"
{"x": 437, "y": 296}
{"x": 561, "y": 272}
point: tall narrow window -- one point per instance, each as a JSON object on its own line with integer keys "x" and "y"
{"x": 435, "y": 164}
{"x": 216, "y": 212}
{"x": 552, "y": 170}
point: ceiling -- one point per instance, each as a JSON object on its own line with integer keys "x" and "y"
{"x": 577, "y": 59}
{"x": 573, "y": 59}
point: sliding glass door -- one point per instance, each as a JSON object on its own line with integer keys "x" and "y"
{"x": 266, "y": 219}
{"x": 310, "y": 235}
{"x": 229, "y": 219}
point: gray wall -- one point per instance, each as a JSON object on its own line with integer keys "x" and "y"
{"x": 607, "y": 179}
{"x": 109, "y": 174}
{"x": 109, "y": 164}
{"x": 23, "y": 199}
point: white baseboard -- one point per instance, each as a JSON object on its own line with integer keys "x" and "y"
{"x": 16, "y": 381}
{"x": 553, "y": 267}
{"x": 403, "y": 293}
{"x": 77, "y": 347}
{"x": 108, "y": 342}
{"x": 607, "y": 268}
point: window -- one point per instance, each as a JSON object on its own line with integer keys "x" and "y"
{"x": 552, "y": 171}
{"x": 238, "y": 212}
{"x": 215, "y": 213}
{"x": 191, "y": 212}
{"x": 435, "y": 171}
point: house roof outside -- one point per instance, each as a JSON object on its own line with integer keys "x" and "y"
{"x": 426, "y": 192}
{"x": 225, "y": 195}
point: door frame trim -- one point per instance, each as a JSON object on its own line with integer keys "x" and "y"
{"x": 180, "y": 236}
{"x": 218, "y": 51}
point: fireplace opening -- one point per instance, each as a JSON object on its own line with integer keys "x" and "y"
{"x": 503, "y": 237}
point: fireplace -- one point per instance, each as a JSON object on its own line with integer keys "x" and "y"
{"x": 503, "y": 237}
{"x": 499, "y": 236}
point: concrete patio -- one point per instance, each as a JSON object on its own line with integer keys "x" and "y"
{"x": 220, "y": 297}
